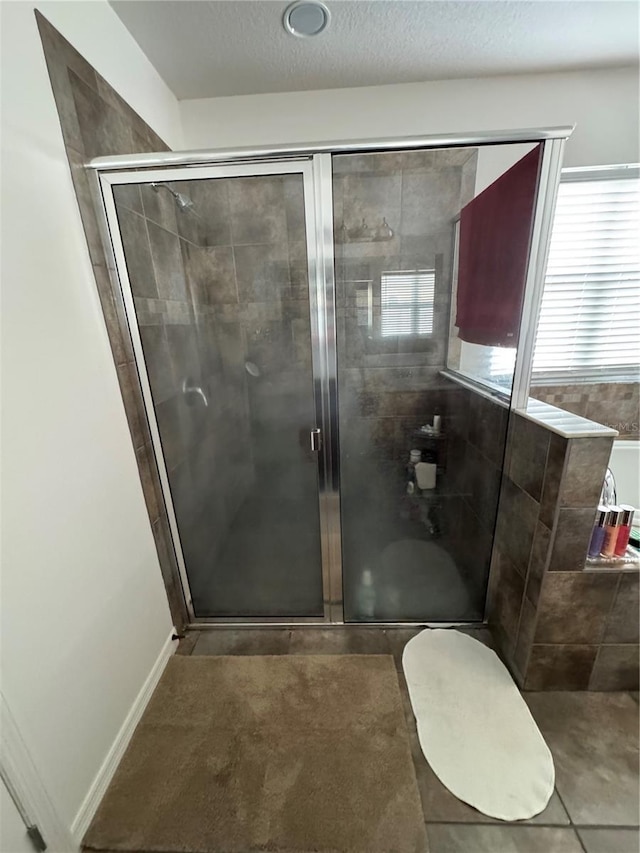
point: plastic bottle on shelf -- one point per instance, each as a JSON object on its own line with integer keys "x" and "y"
{"x": 367, "y": 595}
{"x": 426, "y": 475}
{"x": 414, "y": 458}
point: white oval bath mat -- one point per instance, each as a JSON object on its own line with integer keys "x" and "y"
{"x": 474, "y": 727}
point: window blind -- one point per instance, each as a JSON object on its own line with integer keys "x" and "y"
{"x": 407, "y": 302}
{"x": 590, "y": 315}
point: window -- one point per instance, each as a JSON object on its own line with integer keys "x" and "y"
{"x": 364, "y": 302}
{"x": 493, "y": 366}
{"x": 407, "y": 302}
{"x": 502, "y": 364}
{"x": 590, "y": 316}
{"x": 490, "y": 366}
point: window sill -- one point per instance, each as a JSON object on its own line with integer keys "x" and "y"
{"x": 600, "y": 378}
{"x": 492, "y": 392}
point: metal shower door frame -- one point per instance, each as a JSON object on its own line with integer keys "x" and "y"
{"x": 318, "y": 209}
{"x": 319, "y": 213}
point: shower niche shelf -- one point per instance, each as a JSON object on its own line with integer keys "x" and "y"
{"x": 433, "y": 436}
{"x": 630, "y": 562}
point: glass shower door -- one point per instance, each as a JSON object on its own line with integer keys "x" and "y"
{"x": 421, "y": 456}
{"x": 393, "y": 214}
{"x": 217, "y": 268}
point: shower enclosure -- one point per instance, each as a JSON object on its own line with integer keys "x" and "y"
{"x": 329, "y": 340}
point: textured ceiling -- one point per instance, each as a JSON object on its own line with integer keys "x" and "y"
{"x": 206, "y": 49}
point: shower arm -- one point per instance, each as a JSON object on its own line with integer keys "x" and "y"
{"x": 185, "y": 204}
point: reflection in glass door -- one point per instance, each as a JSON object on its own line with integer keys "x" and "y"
{"x": 421, "y": 456}
{"x": 218, "y": 271}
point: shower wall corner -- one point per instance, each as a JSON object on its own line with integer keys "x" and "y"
{"x": 95, "y": 120}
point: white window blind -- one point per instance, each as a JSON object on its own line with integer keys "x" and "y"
{"x": 590, "y": 316}
{"x": 407, "y": 302}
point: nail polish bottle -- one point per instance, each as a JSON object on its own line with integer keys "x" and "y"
{"x": 597, "y": 537}
{"x": 611, "y": 529}
{"x": 624, "y": 531}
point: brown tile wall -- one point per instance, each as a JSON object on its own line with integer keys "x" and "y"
{"x": 476, "y": 430}
{"x": 394, "y": 186}
{"x": 96, "y": 121}
{"x": 614, "y": 404}
{"x": 559, "y": 626}
{"x": 216, "y": 287}
{"x": 390, "y": 386}
{"x": 180, "y": 278}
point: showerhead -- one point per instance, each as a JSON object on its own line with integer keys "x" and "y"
{"x": 183, "y": 201}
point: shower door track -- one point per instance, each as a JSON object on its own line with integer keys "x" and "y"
{"x": 222, "y": 623}
{"x": 313, "y": 160}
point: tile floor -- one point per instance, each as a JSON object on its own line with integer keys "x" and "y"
{"x": 593, "y": 738}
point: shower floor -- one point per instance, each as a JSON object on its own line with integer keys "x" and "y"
{"x": 269, "y": 565}
{"x": 415, "y": 577}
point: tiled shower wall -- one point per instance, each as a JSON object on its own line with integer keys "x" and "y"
{"x": 614, "y": 404}
{"x": 476, "y": 429}
{"x": 560, "y": 626}
{"x": 389, "y": 386}
{"x": 268, "y": 244}
{"x": 96, "y": 121}
{"x": 181, "y": 279}
{"x": 221, "y": 295}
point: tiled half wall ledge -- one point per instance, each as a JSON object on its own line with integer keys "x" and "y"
{"x": 558, "y": 626}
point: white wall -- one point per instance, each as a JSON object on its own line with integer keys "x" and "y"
{"x": 495, "y": 160}
{"x": 13, "y": 833}
{"x": 84, "y": 612}
{"x": 603, "y": 104}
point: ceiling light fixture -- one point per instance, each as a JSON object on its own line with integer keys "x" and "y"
{"x": 306, "y": 18}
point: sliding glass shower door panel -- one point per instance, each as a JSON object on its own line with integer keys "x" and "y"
{"x": 218, "y": 270}
{"x": 420, "y": 457}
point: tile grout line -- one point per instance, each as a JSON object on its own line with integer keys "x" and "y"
{"x": 562, "y": 802}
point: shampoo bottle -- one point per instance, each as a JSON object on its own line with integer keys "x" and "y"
{"x": 367, "y": 595}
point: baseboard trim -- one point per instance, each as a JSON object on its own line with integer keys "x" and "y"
{"x": 105, "y": 774}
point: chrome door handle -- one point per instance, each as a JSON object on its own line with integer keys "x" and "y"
{"x": 316, "y": 440}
